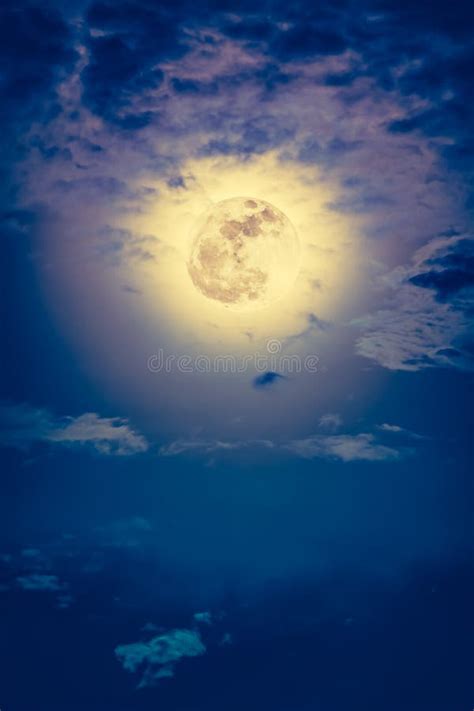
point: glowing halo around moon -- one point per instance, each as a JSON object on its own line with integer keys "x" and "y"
{"x": 136, "y": 264}
{"x": 245, "y": 254}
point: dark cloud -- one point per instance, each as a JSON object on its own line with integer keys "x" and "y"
{"x": 439, "y": 17}
{"x": 256, "y": 29}
{"x": 418, "y": 49}
{"x": 252, "y": 136}
{"x": 267, "y": 379}
{"x": 430, "y": 322}
{"x": 176, "y": 181}
{"x": 50, "y": 152}
{"x": 364, "y": 201}
{"x": 329, "y": 154}
{"x": 319, "y": 323}
{"x": 445, "y": 282}
{"x": 190, "y": 86}
{"x": 440, "y": 71}
{"x": 303, "y": 41}
{"x": 114, "y": 75}
{"x": 36, "y": 52}
{"x": 124, "y": 58}
{"x": 115, "y": 246}
{"x": 106, "y": 185}
{"x": 452, "y": 272}
{"x": 340, "y": 78}
{"x": 294, "y": 32}
{"x": 128, "y": 42}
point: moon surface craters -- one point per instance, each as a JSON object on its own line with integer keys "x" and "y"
{"x": 245, "y": 254}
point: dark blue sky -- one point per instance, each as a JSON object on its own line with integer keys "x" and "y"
{"x": 266, "y": 540}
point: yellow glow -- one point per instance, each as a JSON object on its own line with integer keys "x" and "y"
{"x": 330, "y": 248}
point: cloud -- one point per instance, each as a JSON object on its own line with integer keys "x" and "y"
{"x": 157, "y": 658}
{"x": 330, "y": 422}
{"x": 108, "y": 435}
{"x": 344, "y": 448}
{"x": 119, "y": 247}
{"x": 397, "y": 430}
{"x": 182, "y": 446}
{"x": 449, "y": 271}
{"x": 36, "y": 52}
{"x": 126, "y": 43}
{"x": 390, "y": 428}
{"x": 314, "y": 326}
{"x": 40, "y": 582}
{"x": 427, "y": 319}
{"x": 204, "y": 617}
{"x": 267, "y": 379}
{"x": 308, "y": 40}
{"x": 324, "y": 85}
{"x": 22, "y": 425}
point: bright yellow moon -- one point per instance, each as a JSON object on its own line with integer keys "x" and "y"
{"x": 245, "y": 254}
{"x": 323, "y": 252}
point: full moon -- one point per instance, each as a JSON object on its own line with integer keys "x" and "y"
{"x": 245, "y": 254}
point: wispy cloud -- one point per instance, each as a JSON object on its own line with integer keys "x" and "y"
{"x": 40, "y": 582}
{"x": 390, "y": 428}
{"x": 344, "y": 448}
{"x": 397, "y": 430}
{"x": 207, "y": 446}
{"x": 22, "y": 425}
{"x": 363, "y": 446}
{"x": 156, "y": 658}
{"x": 330, "y": 422}
{"x": 427, "y": 320}
{"x": 203, "y": 617}
{"x": 40, "y": 579}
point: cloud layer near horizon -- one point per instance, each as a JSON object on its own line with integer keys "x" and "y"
{"x": 21, "y": 426}
{"x": 363, "y": 446}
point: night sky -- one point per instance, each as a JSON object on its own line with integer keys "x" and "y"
{"x": 207, "y": 507}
